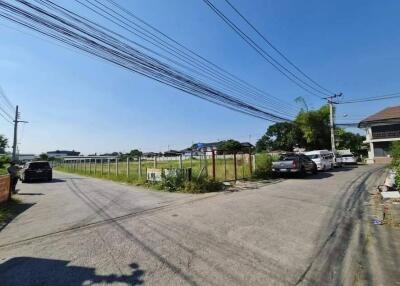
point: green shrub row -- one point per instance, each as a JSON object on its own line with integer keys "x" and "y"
{"x": 395, "y": 152}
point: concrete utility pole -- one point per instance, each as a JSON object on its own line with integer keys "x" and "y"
{"x": 332, "y": 119}
{"x": 16, "y": 121}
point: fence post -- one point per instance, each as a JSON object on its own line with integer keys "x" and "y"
{"x": 191, "y": 160}
{"x": 116, "y": 166}
{"x": 108, "y": 167}
{"x": 180, "y": 162}
{"x": 234, "y": 165}
{"x": 90, "y": 166}
{"x": 200, "y": 162}
{"x": 243, "y": 165}
{"x": 101, "y": 162}
{"x": 140, "y": 166}
{"x": 95, "y": 166}
{"x": 205, "y": 163}
{"x": 127, "y": 167}
{"x": 250, "y": 163}
{"x": 224, "y": 166}
{"x": 254, "y": 162}
{"x": 213, "y": 163}
{"x": 155, "y": 162}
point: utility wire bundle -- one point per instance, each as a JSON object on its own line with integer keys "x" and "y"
{"x": 284, "y": 66}
{"x": 182, "y": 69}
{"x": 7, "y": 107}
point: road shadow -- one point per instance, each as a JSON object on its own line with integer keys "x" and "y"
{"x": 318, "y": 176}
{"x": 29, "y": 194}
{"x": 344, "y": 169}
{"x": 34, "y": 271}
{"x": 12, "y": 210}
{"x": 45, "y": 182}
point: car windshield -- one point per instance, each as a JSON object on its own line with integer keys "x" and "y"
{"x": 39, "y": 165}
{"x": 287, "y": 158}
{"x": 348, "y": 155}
{"x": 313, "y": 156}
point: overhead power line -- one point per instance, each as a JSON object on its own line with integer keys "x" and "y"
{"x": 6, "y": 99}
{"x": 198, "y": 57}
{"x": 188, "y": 62}
{"x": 266, "y": 56}
{"x": 4, "y": 112}
{"x": 61, "y": 24}
{"x": 5, "y": 118}
{"x": 347, "y": 124}
{"x": 372, "y": 98}
{"x": 276, "y": 49}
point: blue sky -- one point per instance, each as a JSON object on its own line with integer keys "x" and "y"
{"x": 75, "y": 101}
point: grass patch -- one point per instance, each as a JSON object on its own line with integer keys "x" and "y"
{"x": 9, "y": 209}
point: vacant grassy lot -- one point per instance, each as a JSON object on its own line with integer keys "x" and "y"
{"x": 122, "y": 171}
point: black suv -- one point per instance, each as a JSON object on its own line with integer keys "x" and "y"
{"x": 37, "y": 170}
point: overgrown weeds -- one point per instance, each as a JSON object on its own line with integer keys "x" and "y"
{"x": 178, "y": 183}
{"x": 263, "y": 166}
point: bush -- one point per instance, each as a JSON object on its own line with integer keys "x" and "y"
{"x": 263, "y": 166}
{"x": 173, "y": 183}
{"x": 395, "y": 152}
{"x": 203, "y": 185}
{"x": 178, "y": 183}
{"x": 4, "y": 160}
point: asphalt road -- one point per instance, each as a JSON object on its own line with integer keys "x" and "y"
{"x": 83, "y": 231}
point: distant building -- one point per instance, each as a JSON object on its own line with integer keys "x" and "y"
{"x": 23, "y": 158}
{"x": 382, "y": 128}
{"x": 62, "y": 153}
{"x": 172, "y": 153}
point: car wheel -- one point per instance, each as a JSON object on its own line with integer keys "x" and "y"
{"x": 302, "y": 172}
{"x": 314, "y": 170}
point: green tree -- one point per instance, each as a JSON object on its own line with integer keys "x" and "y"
{"x": 3, "y": 144}
{"x": 352, "y": 141}
{"x": 230, "y": 146}
{"x": 43, "y": 157}
{"x": 315, "y": 128}
{"x": 281, "y": 136}
{"x": 135, "y": 153}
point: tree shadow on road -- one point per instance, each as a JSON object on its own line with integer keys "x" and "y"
{"x": 11, "y": 209}
{"x": 33, "y": 271}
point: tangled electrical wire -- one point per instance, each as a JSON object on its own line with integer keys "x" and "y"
{"x": 63, "y": 25}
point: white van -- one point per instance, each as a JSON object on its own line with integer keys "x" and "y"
{"x": 322, "y": 158}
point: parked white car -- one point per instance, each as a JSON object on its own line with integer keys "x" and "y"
{"x": 349, "y": 159}
{"x": 337, "y": 160}
{"x": 322, "y": 158}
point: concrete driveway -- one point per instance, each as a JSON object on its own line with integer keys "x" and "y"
{"x": 83, "y": 231}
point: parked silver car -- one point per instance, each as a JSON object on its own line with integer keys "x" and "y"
{"x": 349, "y": 159}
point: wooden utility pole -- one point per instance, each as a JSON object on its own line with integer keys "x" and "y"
{"x": 332, "y": 119}
{"x": 16, "y": 121}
